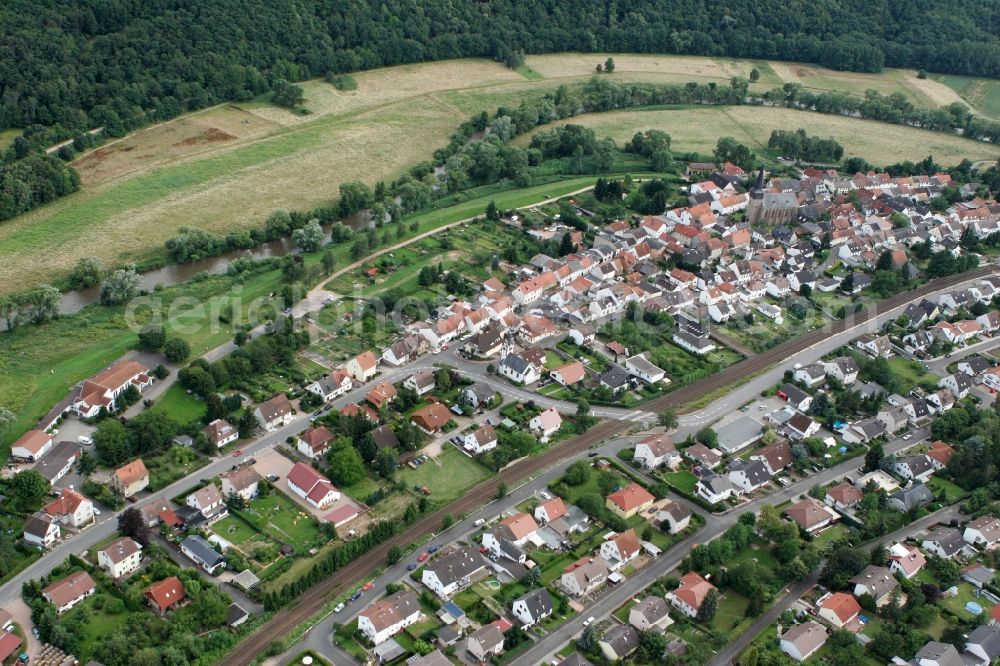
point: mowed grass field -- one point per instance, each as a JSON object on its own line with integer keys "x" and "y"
{"x": 228, "y": 167}
{"x": 698, "y": 129}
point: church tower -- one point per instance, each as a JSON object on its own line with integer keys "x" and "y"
{"x": 755, "y": 208}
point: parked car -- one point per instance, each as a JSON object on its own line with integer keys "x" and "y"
{"x": 237, "y": 453}
{"x": 339, "y": 607}
{"x": 367, "y": 586}
{"x": 592, "y": 454}
{"x": 273, "y": 477}
{"x": 86, "y": 441}
{"x": 545, "y": 495}
{"x": 356, "y": 596}
{"x": 434, "y": 549}
{"x": 422, "y": 557}
{"x": 479, "y": 521}
{"x": 411, "y": 566}
{"x": 589, "y": 621}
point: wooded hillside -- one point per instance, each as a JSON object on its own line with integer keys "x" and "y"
{"x": 78, "y": 64}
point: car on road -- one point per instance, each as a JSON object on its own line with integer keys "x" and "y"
{"x": 86, "y": 441}
{"x": 479, "y": 521}
{"x": 367, "y": 586}
{"x": 411, "y": 566}
{"x": 445, "y": 347}
{"x": 273, "y": 477}
{"x": 356, "y": 596}
{"x": 593, "y": 454}
{"x": 434, "y": 549}
{"x": 339, "y": 607}
{"x": 97, "y": 511}
{"x": 34, "y": 632}
{"x": 589, "y": 621}
{"x": 907, "y": 436}
{"x": 237, "y": 453}
{"x": 422, "y": 557}
{"x": 545, "y": 496}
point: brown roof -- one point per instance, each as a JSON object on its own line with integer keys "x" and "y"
{"x": 275, "y": 407}
{"x": 132, "y": 472}
{"x": 843, "y": 605}
{"x": 67, "y": 503}
{"x": 660, "y": 444}
{"x": 317, "y": 438}
{"x": 520, "y": 525}
{"x": 367, "y": 360}
{"x": 242, "y": 477}
{"x": 627, "y": 542}
{"x": 809, "y": 513}
{"x": 941, "y": 452}
{"x": 778, "y": 456}
{"x": 572, "y": 372}
{"x": 33, "y": 441}
{"x": 116, "y": 375}
{"x": 208, "y": 495}
{"x": 69, "y": 588}
{"x": 554, "y": 508}
{"x": 168, "y": 592}
{"x": 431, "y": 417}
{"x": 693, "y": 589}
{"x": 218, "y": 430}
{"x": 392, "y": 609}
{"x": 630, "y": 497}
{"x": 845, "y": 493}
{"x": 119, "y": 549}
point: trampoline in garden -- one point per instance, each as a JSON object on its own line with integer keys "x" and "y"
{"x": 974, "y": 608}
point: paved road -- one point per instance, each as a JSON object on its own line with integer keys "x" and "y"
{"x": 939, "y": 366}
{"x": 733, "y": 649}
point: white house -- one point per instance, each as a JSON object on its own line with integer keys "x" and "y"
{"x": 70, "y": 508}
{"x": 362, "y": 367}
{"x": 547, "y": 423}
{"x": 274, "y": 413}
{"x": 803, "y": 640}
{"x": 103, "y": 389}
{"x": 120, "y": 558}
{"x": 221, "y": 432}
{"x": 517, "y": 369}
{"x": 844, "y": 369}
{"x": 657, "y": 450}
{"x": 585, "y": 575}
{"x": 242, "y": 481}
{"x": 641, "y": 367}
{"x": 749, "y": 476}
{"x": 384, "y": 619}
{"x": 691, "y": 592}
{"x": 533, "y": 607}
{"x": 480, "y": 440}
{"x": 714, "y": 488}
{"x": 334, "y": 385}
{"x": 71, "y": 590}
{"x": 421, "y": 381}
{"x": 453, "y": 571}
{"x": 905, "y": 561}
{"x": 983, "y": 532}
{"x": 549, "y": 510}
{"x": 917, "y": 468}
{"x": 41, "y": 530}
{"x": 621, "y": 549}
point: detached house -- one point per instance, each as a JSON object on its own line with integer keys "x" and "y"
{"x": 875, "y": 345}
{"x": 650, "y": 614}
{"x": 208, "y": 502}
{"x": 166, "y": 594}
{"x": 71, "y": 590}
{"x": 120, "y": 558}
{"x": 656, "y": 451}
{"x": 453, "y": 571}
{"x": 334, "y": 385}
{"x": 201, "y": 553}
{"x": 620, "y": 549}
{"x": 585, "y": 575}
{"x": 569, "y": 374}
{"x": 274, "y": 413}
{"x": 875, "y": 581}
{"x": 983, "y": 532}
{"x": 314, "y": 442}
{"x": 242, "y": 482}
{"x": 905, "y": 561}
{"x": 803, "y": 640}
{"x": 70, "y": 508}
{"x": 640, "y": 366}
{"x": 363, "y": 367}
{"x": 549, "y": 510}
{"x": 432, "y": 418}
{"x": 384, "y": 619}
{"x": 839, "y": 609}
{"x": 129, "y": 479}
{"x": 917, "y": 468}
{"x": 547, "y": 423}
{"x": 844, "y": 368}
{"x": 944, "y": 542}
{"x": 533, "y": 607}
{"x": 629, "y": 501}
{"x": 811, "y": 515}
{"x": 421, "y": 382}
{"x": 41, "y": 530}
{"x": 517, "y": 369}
{"x": 31, "y": 446}
{"x": 480, "y": 440}
{"x": 221, "y": 432}
{"x": 689, "y": 595}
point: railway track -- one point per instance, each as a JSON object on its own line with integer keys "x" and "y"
{"x": 313, "y": 599}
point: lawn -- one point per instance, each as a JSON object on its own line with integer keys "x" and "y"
{"x": 234, "y": 530}
{"x": 732, "y": 610}
{"x": 966, "y": 593}
{"x": 982, "y": 94}
{"x": 758, "y": 551}
{"x": 448, "y": 476}
{"x": 99, "y": 624}
{"x": 911, "y": 373}
{"x": 296, "y": 526}
{"x": 179, "y": 405}
{"x": 683, "y": 480}
{"x": 952, "y": 492}
{"x": 175, "y": 463}
{"x": 830, "y": 534}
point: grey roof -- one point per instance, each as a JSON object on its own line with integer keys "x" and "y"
{"x": 755, "y": 470}
{"x": 38, "y": 524}
{"x": 949, "y": 539}
{"x": 456, "y": 565}
{"x": 794, "y": 393}
{"x": 877, "y": 579}
{"x": 806, "y": 637}
{"x": 538, "y": 601}
{"x": 976, "y": 363}
{"x": 56, "y": 459}
{"x": 986, "y": 636}
{"x": 385, "y": 437}
{"x": 715, "y": 483}
{"x": 846, "y": 364}
{"x": 202, "y": 550}
{"x": 236, "y": 613}
{"x": 623, "y": 639}
{"x": 575, "y": 659}
{"x": 482, "y": 392}
{"x": 945, "y": 654}
{"x": 435, "y": 658}
{"x": 912, "y": 497}
{"x": 516, "y": 363}
{"x": 980, "y": 574}
{"x": 615, "y": 377}
{"x": 917, "y": 464}
{"x": 739, "y": 433}
{"x": 652, "y": 608}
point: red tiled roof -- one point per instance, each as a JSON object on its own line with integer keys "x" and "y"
{"x": 166, "y": 593}
{"x": 630, "y": 497}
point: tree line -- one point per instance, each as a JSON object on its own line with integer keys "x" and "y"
{"x": 122, "y": 64}
{"x": 801, "y": 146}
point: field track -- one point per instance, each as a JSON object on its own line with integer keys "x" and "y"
{"x": 314, "y": 598}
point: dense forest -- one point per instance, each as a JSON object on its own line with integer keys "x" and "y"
{"x": 119, "y": 63}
